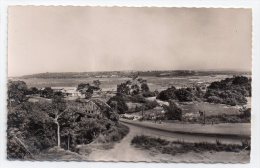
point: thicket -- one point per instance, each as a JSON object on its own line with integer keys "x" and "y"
{"x": 231, "y": 91}
{"x": 175, "y": 147}
{"x": 37, "y": 126}
{"x": 173, "y": 112}
{"x": 118, "y": 103}
{"x": 183, "y": 94}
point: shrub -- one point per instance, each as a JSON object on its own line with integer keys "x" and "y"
{"x": 148, "y": 94}
{"x": 145, "y": 87}
{"x": 246, "y": 113}
{"x": 121, "y": 104}
{"x": 174, "y": 147}
{"x": 167, "y": 94}
{"x": 17, "y": 91}
{"x": 137, "y": 99}
{"x": 135, "y": 89}
{"x": 183, "y": 95}
{"x": 230, "y": 101}
{"x": 240, "y": 80}
{"x": 232, "y": 91}
{"x": 150, "y": 105}
{"x": 149, "y": 142}
{"x": 214, "y": 99}
{"x": 173, "y": 112}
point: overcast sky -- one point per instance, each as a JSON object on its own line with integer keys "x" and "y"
{"x": 77, "y": 39}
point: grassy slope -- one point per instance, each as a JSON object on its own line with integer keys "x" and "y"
{"x": 189, "y": 151}
{"x": 237, "y": 129}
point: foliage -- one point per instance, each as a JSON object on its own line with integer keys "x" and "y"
{"x": 117, "y": 132}
{"x": 231, "y": 91}
{"x": 148, "y": 105}
{"x": 47, "y": 93}
{"x": 175, "y": 147}
{"x": 167, "y": 94}
{"x": 123, "y": 88}
{"x": 87, "y": 89}
{"x": 136, "y": 99}
{"x": 214, "y": 99}
{"x": 32, "y": 91}
{"x": 17, "y": 91}
{"x": 97, "y": 83}
{"x": 149, "y": 94}
{"x": 32, "y": 125}
{"x": 37, "y": 126}
{"x": 120, "y": 105}
{"x": 14, "y": 149}
{"x": 246, "y": 113}
{"x": 173, "y": 112}
{"x": 145, "y": 87}
{"x": 135, "y": 89}
{"x": 184, "y": 95}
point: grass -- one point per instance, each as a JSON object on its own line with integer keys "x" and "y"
{"x": 209, "y": 108}
{"x": 179, "y": 146}
{"x": 117, "y": 133}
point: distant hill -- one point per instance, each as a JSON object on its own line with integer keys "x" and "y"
{"x": 110, "y": 74}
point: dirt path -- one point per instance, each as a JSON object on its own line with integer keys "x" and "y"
{"x": 124, "y": 151}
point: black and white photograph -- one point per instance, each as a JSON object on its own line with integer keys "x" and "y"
{"x": 129, "y": 84}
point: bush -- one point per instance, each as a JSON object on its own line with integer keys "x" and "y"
{"x": 145, "y": 87}
{"x": 148, "y": 94}
{"x": 174, "y": 147}
{"x": 118, "y": 133}
{"x": 173, "y": 112}
{"x": 137, "y": 99}
{"x": 167, "y": 94}
{"x": 183, "y": 95}
{"x": 121, "y": 104}
{"x": 214, "y": 99}
{"x": 240, "y": 80}
{"x": 17, "y": 91}
{"x": 231, "y": 91}
{"x": 230, "y": 101}
{"x": 150, "y": 105}
{"x": 149, "y": 142}
{"x": 246, "y": 113}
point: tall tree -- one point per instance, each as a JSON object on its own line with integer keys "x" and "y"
{"x": 123, "y": 88}
{"x": 47, "y": 92}
{"x": 17, "y": 91}
{"x": 58, "y": 109}
{"x": 87, "y": 89}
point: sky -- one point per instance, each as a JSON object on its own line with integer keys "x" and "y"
{"x": 80, "y": 39}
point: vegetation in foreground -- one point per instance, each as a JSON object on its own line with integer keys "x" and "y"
{"x": 179, "y": 147}
{"x": 34, "y": 127}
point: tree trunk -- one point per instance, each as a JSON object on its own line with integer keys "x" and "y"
{"x": 204, "y": 118}
{"x": 68, "y": 142}
{"x": 58, "y": 133}
{"x": 58, "y": 129}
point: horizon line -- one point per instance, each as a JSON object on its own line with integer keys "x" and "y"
{"x": 216, "y": 70}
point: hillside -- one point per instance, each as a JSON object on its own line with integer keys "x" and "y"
{"x": 108, "y": 74}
